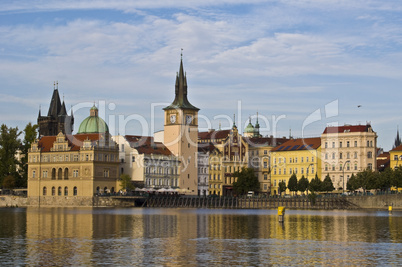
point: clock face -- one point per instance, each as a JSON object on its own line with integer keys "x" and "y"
{"x": 172, "y": 118}
{"x": 189, "y": 119}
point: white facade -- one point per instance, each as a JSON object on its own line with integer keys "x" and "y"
{"x": 203, "y": 173}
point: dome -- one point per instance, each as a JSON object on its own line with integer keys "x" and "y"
{"x": 249, "y": 128}
{"x": 93, "y": 124}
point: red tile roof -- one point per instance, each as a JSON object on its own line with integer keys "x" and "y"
{"x": 146, "y": 145}
{"x": 74, "y": 141}
{"x": 347, "y": 128}
{"x": 398, "y": 148}
{"x": 210, "y": 135}
{"x": 264, "y": 141}
{"x": 299, "y": 144}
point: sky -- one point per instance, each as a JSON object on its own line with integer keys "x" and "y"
{"x": 302, "y": 65}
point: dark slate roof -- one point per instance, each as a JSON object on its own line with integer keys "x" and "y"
{"x": 299, "y": 144}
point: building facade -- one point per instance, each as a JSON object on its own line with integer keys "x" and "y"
{"x": 71, "y": 169}
{"x": 296, "y": 156}
{"x": 347, "y": 150}
{"x": 149, "y": 164}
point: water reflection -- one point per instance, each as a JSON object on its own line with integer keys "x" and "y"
{"x": 85, "y": 236}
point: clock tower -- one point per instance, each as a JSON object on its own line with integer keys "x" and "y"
{"x": 181, "y": 134}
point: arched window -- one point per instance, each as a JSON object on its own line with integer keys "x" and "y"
{"x": 59, "y": 174}
{"x": 53, "y": 191}
{"x": 44, "y": 190}
{"x": 59, "y": 191}
{"x": 53, "y": 174}
{"x": 66, "y": 174}
{"x": 75, "y": 191}
{"x": 66, "y": 191}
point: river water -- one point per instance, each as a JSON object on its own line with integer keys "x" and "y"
{"x": 197, "y": 237}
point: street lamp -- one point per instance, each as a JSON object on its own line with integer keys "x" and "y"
{"x": 343, "y": 177}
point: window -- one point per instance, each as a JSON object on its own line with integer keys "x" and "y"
{"x": 306, "y": 159}
{"x": 33, "y": 174}
{"x": 355, "y": 143}
{"x": 348, "y": 167}
{"x": 265, "y": 177}
{"x": 333, "y": 144}
{"x": 340, "y": 155}
{"x": 295, "y": 170}
{"x": 302, "y": 170}
{"x": 44, "y": 190}
{"x": 274, "y": 182}
{"x": 355, "y": 167}
{"x": 326, "y": 167}
{"x": 75, "y": 173}
{"x": 340, "y": 167}
{"x": 59, "y": 191}
{"x": 312, "y": 169}
{"x": 265, "y": 187}
{"x": 348, "y": 155}
{"x": 44, "y": 174}
{"x": 312, "y": 159}
{"x": 279, "y": 171}
{"x": 368, "y": 144}
{"x": 265, "y": 152}
{"x": 290, "y": 170}
{"x": 340, "y": 144}
{"x": 333, "y": 167}
{"x": 53, "y": 174}
{"x": 75, "y": 191}
{"x": 370, "y": 166}
{"x": 333, "y": 155}
{"x": 326, "y": 145}
{"x": 396, "y": 157}
{"x": 302, "y": 159}
{"x": 274, "y": 171}
{"x": 265, "y": 164}
{"x": 369, "y": 154}
{"x": 326, "y": 155}
{"x": 53, "y": 191}
{"x": 284, "y": 170}
{"x": 355, "y": 155}
{"x": 66, "y": 191}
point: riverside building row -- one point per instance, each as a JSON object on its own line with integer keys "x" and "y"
{"x": 91, "y": 162}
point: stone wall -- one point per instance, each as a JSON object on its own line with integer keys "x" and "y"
{"x": 377, "y": 202}
{"x": 13, "y": 201}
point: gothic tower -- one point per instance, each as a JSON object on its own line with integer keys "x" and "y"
{"x": 57, "y": 119}
{"x": 181, "y": 133}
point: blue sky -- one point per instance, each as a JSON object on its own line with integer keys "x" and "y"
{"x": 285, "y": 59}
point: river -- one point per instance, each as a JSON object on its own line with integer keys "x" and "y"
{"x": 197, "y": 237}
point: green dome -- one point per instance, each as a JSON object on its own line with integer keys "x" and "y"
{"x": 93, "y": 124}
{"x": 249, "y": 128}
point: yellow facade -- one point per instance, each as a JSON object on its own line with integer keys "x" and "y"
{"x": 65, "y": 167}
{"x": 302, "y": 162}
{"x": 395, "y": 156}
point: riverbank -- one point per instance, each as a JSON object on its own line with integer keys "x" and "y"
{"x": 378, "y": 202}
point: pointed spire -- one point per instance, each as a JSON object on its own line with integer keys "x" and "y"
{"x": 234, "y": 120}
{"x": 397, "y": 138}
{"x": 39, "y": 111}
{"x": 63, "y": 111}
{"x": 181, "y": 100}
{"x": 55, "y": 104}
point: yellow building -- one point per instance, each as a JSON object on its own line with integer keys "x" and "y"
{"x": 298, "y": 156}
{"x": 395, "y": 157}
{"x": 71, "y": 169}
{"x": 181, "y": 133}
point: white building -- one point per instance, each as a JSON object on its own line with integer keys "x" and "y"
{"x": 150, "y": 164}
{"x": 203, "y": 172}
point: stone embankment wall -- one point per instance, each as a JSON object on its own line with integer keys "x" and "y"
{"x": 13, "y": 201}
{"x": 377, "y": 202}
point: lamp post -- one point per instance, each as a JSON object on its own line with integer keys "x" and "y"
{"x": 343, "y": 177}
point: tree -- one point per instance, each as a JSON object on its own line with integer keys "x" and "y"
{"x": 365, "y": 180}
{"x": 352, "y": 184}
{"x": 385, "y": 179}
{"x": 315, "y": 184}
{"x": 282, "y": 187}
{"x": 30, "y": 134}
{"x": 9, "y": 182}
{"x": 302, "y": 184}
{"x": 292, "y": 183}
{"x": 327, "y": 184}
{"x": 9, "y": 145}
{"x": 246, "y": 181}
{"x": 126, "y": 182}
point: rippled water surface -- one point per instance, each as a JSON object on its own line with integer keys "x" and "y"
{"x": 191, "y": 237}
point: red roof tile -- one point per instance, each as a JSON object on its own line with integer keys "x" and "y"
{"x": 146, "y": 145}
{"x": 347, "y": 128}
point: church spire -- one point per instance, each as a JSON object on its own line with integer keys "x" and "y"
{"x": 181, "y": 100}
{"x": 397, "y": 139}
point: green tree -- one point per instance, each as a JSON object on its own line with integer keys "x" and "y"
{"x": 365, "y": 180}
{"x": 315, "y": 184}
{"x": 9, "y": 145}
{"x": 396, "y": 179}
{"x": 292, "y": 183}
{"x": 30, "y": 134}
{"x": 385, "y": 179}
{"x": 9, "y": 182}
{"x": 126, "y": 183}
{"x": 246, "y": 181}
{"x": 302, "y": 184}
{"x": 282, "y": 187}
{"x": 327, "y": 184}
{"x": 352, "y": 184}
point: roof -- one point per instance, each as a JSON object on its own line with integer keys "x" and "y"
{"x": 398, "y": 148}
{"x": 264, "y": 141}
{"x": 347, "y": 129}
{"x": 299, "y": 144}
{"x": 181, "y": 101}
{"x": 45, "y": 143}
{"x": 146, "y": 145}
{"x": 210, "y": 135}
